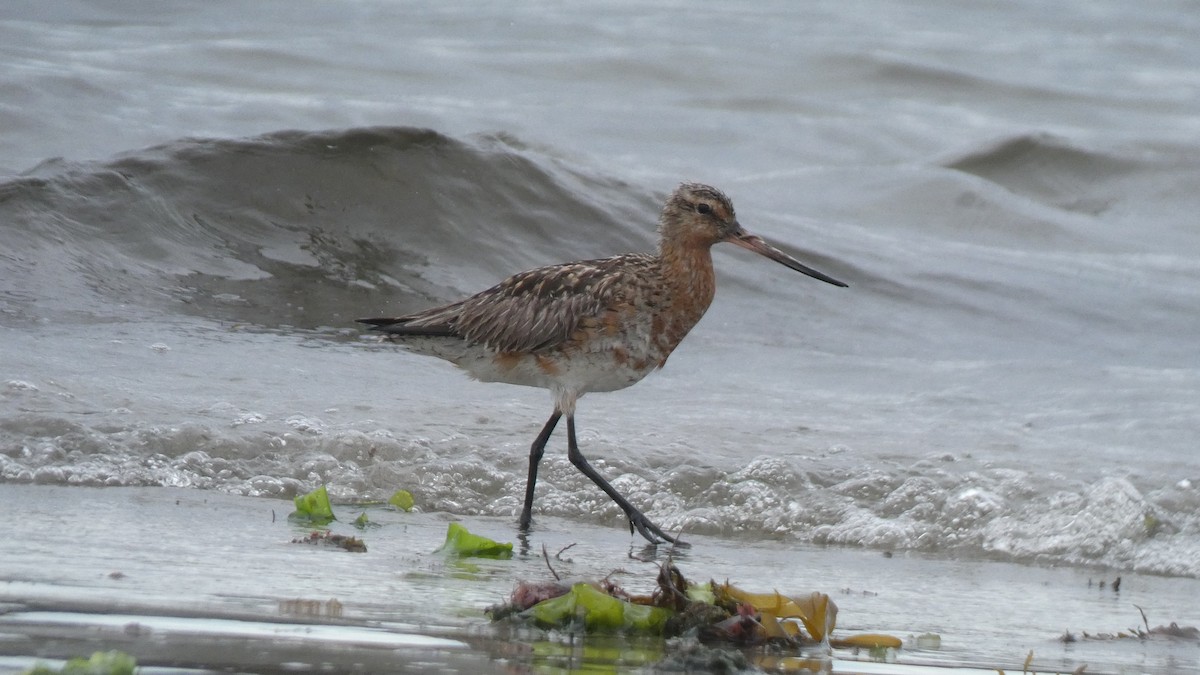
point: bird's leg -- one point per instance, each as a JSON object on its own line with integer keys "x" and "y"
{"x": 535, "y": 456}
{"x": 637, "y": 519}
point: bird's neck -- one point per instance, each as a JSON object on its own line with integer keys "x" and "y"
{"x": 687, "y": 272}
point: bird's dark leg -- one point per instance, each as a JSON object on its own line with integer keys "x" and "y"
{"x": 535, "y": 456}
{"x": 637, "y": 519}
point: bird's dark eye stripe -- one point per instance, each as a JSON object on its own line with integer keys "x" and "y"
{"x": 703, "y": 208}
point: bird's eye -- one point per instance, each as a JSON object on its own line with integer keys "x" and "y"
{"x": 703, "y": 208}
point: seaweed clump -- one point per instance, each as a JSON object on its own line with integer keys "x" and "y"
{"x": 715, "y": 614}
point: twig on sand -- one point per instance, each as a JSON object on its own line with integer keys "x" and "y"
{"x": 1144, "y": 621}
{"x": 558, "y": 556}
{"x": 546, "y": 557}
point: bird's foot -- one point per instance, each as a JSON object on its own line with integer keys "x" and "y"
{"x": 652, "y": 532}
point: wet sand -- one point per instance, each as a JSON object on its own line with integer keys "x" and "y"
{"x": 205, "y": 580}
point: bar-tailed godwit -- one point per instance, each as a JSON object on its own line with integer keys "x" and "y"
{"x": 594, "y": 325}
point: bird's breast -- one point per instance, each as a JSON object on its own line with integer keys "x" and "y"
{"x": 688, "y": 291}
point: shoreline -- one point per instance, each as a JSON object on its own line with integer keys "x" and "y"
{"x": 169, "y": 574}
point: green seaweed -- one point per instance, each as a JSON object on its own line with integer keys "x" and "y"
{"x": 313, "y": 508}
{"x": 460, "y": 542}
{"x": 402, "y": 500}
{"x": 100, "y": 663}
{"x": 599, "y": 612}
{"x": 701, "y": 593}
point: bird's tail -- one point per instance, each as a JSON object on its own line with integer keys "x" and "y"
{"x": 405, "y": 325}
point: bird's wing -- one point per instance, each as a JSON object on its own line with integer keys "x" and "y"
{"x": 529, "y": 311}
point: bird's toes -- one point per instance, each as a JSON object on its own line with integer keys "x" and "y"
{"x": 651, "y": 532}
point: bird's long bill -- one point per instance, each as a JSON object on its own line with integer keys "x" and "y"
{"x": 756, "y": 244}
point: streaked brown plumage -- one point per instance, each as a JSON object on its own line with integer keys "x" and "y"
{"x": 594, "y": 325}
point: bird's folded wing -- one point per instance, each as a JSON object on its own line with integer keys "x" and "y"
{"x": 531, "y": 311}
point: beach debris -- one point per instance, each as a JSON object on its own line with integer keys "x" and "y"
{"x": 929, "y": 641}
{"x": 778, "y": 613}
{"x": 100, "y": 663}
{"x": 1173, "y": 630}
{"x": 1025, "y": 669}
{"x": 1102, "y": 584}
{"x": 1079, "y": 670}
{"x": 526, "y": 595}
{"x": 313, "y": 508}
{"x": 1176, "y": 631}
{"x": 707, "y": 621}
{"x": 546, "y": 557}
{"x": 867, "y": 641}
{"x": 327, "y": 538}
{"x": 593, "y": 609}
{"x": 402, "y": 499}
{"x": 558, "y": 556}
{"x": 742, "y": 629}
{"x": 364, "y": 522}
{"x": 460, "y": 542}
{"x": 717, "y": 615}
{"x": 698, "y": 658}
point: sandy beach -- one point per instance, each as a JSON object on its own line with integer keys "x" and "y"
{"x": 207, "y": 581}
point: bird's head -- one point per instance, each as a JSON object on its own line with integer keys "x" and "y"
{"x": 698, "y": 215}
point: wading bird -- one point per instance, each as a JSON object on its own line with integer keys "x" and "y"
{"x": 594, "y": 325}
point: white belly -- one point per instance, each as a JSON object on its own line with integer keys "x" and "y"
{"x": 579, "y": 373}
